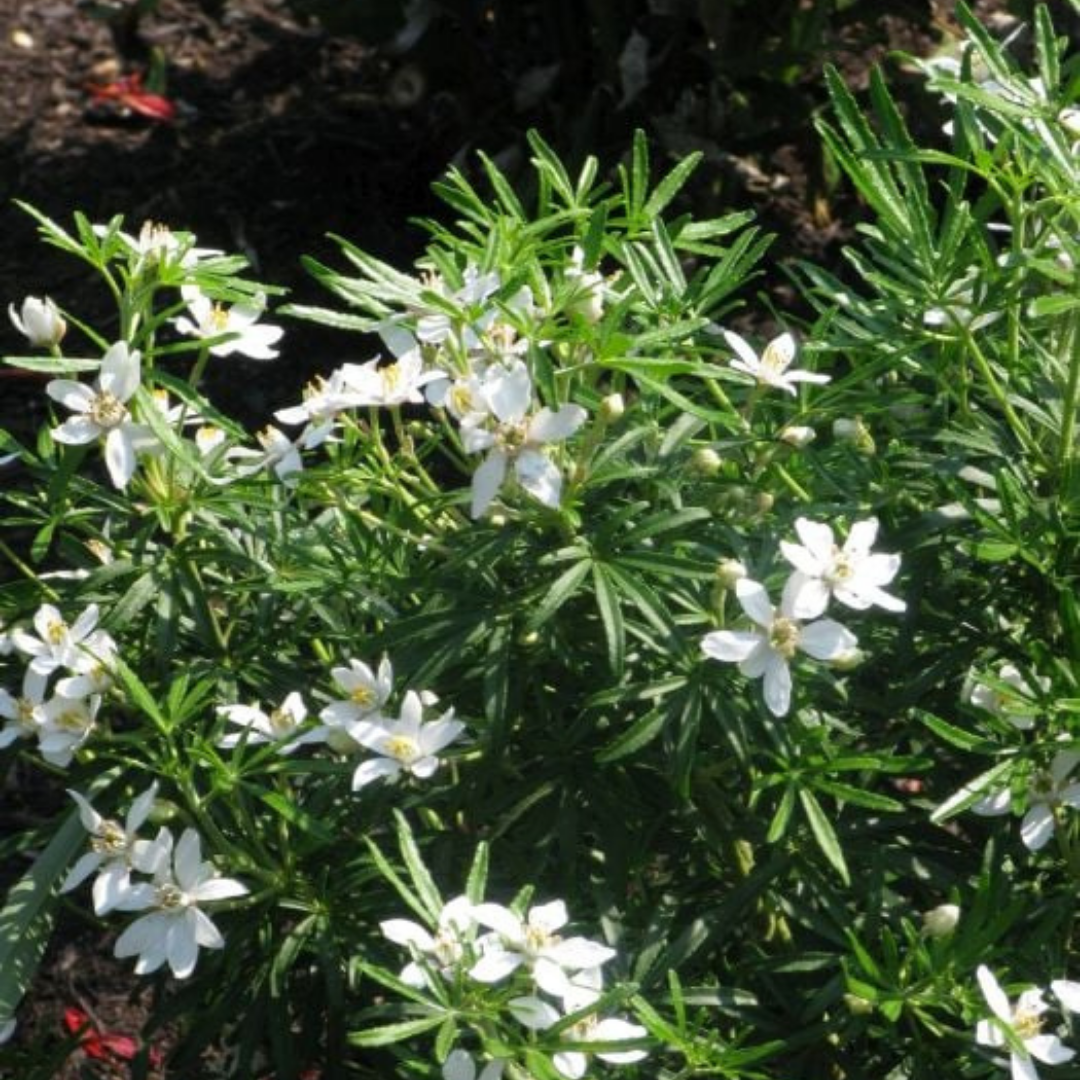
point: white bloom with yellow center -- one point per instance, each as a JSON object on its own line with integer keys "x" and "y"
{"x": 175, "y": 927}
{"x": 64, "y": 724}
{"x": 441, "y": 950}
{"x": 279, "y": 725}
{"x": 1023, "y": 1021}
{"x": 772, "y": 367}
{"x": 115, "y": 850}
{"x": 212, "y": 320}
{"x": 57, "y": 644}
{"x": 573, "y": 1063}
{"x": 767, "y": 651}
{"x": 102, "y": 412}
{"x": 21, "y": 712}
{"x": 852, "y": 573}
{"x": 406, "y": 745}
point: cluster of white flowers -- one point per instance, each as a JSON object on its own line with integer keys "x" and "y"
{"x": 491, "y": 944}
{"x": 1019, "y": 1026}
{"x": 853, "y": 574}
{"x": 403, "y": 745}
{"x": 82, "y": 656}
{"x": 173, "y": 926}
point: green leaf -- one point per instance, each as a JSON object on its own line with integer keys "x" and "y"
{"x": 422, "y": 880}
{"x": 27, "y": 916}
{"x": 672, "y": 184}
{"x": 824, "y": 834}
{"x": 387, "y": 1034}
{"x": 639, "y": 734}
{"x": 958, "y": 737}
{"x": 52, "y": 365}
{"x": 564, "y": 586}
{"x": 972, "y": 792}
{"x": 476, "y": 883}
{"x": 607, "y": 601}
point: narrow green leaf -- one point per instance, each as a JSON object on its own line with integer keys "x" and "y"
{"x": 607, "y": 601}
{"x": 564, "y": 586}
{"x": 778, "y": 827}
{"x": 422, "y": 880}
{"x": 824, "y": 834}
{"x": 972, "y": 791}
{"x": 387, "y": 1034}
{"x": 639, "y": 734}
{"x": 672, "y": 184}
{"x": 476, "y": 883}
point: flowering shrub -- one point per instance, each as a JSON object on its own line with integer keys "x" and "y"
{"x": 421, "y": 733}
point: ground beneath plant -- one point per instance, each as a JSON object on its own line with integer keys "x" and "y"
{"x": 282, "y": 135}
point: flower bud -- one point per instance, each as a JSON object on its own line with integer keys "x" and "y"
{"x": 728, "y": 571}
{"x": 854, "y": 432}
{"x": 39, "y": 322}
{"x": 612, "y": 408}
{"x": 1070, "y": 121}
{"x": 798, "y": 435}
{"x": 847, "y": 660}
{"x": 588, "y": 296}
{"x": 941, "y": 921}
{"x": 706, "y": 461}
{"x": 764, "y": 501}
{"x": 858, "y": 1006}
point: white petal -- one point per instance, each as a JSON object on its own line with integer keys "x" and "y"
{"x": 804, "y": 597}
{"x": 861, "y": 538}
{"x": 500, "y": 919}
{"x": 459, "y": 1066}
{"x": 550, "y": 917}
{"x": 533, "y": 1012}
{"x": 730, "y": 645}
{"x": 802, "y": 558}
{"x": 579, "y": 954}
{"x": 995, "y": 996}
{"x": 754, "y": 666}
{"x": 495, "y": 965}
{"x": 73, "y": 395}
{"x": 1037, "y": 827}
{"x": 777, "y": 684}
{"x": 742, "y": 348}
{"x": 76, "y": 431}
{"x": 570, "y": 1063}
{"x": 120, "y": 371}
{"x": 181, "y": 947}
{"x": 548, "y": 427}
{"x": 826, "y": 640}
{"x": 406, "y": 932}
{"x": 206, "y": 933}
{"x": 111, "y": 886}
{"x": 119, "y": 457}
{"x": 1049, "y": 1048}
{"x": 1068, "y": 993}
{"x": 540, "y": 477}
{"x": 755, "y": 601}
{"x": 82, "y": 869}
{"x": 219, "y": 888}
{"x": 375, "y": 769}
{"x": 508, "y": 392}
{"x": 1022, "y": 1067}
{"x": 818, "y": 540}
{"x": 90, "y": 818}
{"x": 486, "y": 482}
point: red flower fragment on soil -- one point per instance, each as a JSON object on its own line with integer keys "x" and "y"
{"x": 128, "y": 93}
{"x": 103, "y": 1044}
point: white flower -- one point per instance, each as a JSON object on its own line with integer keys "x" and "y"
{"x": 212, "y": 320}
{"x": 64, "y": 724}
{"x": 57, "y": 644}
{"x": 176, "y": 925}
{"x": 459, "y": 1065}
{"x": 1048, "y": 790}
{"x": 507, "y": 390}
{"x": 366, "y": 692}
{"x": 535, "y": 942}
{"x": 587, "y": 295}
{"x": 278, "y": 725}
{"x": 39, "y": 321}
{"x": 404, "y": 745}
{"x": 93, "y": 664}
{"x": 1012, "y": 698}
{"x": 103, "y": 412}
{"x": 115, "y": 850}
{"x": 323, "y": 400}
{"x": 376, "y": 383}
{"x": 434, "y": 325}
{"x": 21, "y": 712}
{"x": 1023, "y": 1021}
{"x": 767, "y": 652}
{"x": 573, "y": 1063}
{"x": 279, "y": 453}
{"x": 444, "y": 949}
{"x": 771, "y": 368}
{"x": 853, "y": 574}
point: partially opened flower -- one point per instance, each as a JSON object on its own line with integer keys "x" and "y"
{"x": 772, "y": 368}
{"x": 211, "y": 319}
{"x": 1011, "y": 697}
{"x": 102, "y": 412}
{"x": 767, "y": 651}
{"x": 39, "y": 321}
{"x": 406, "y": 745}
{"x": 64, "y": 724}
{"x": 115, "y": 850}
{"x": 175, "y": 927}
{"x": 594, "y": 1029}
{"x": 441, "y": 950}
{"x": 1023, "y": 1021}
{"x": 853, "y": 573}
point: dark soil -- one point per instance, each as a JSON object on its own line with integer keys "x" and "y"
{"x": 285, "y": 134}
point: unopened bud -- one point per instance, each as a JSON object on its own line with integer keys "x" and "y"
{"x": 798, "y": 435}
{"x": 764, "y": 502}
{"x": 1070, "y": 121}
{"x": 612, "y": 408}
{"x": 847, "y": 660}
{"x": 39, "y": 321}
{"x": 706, "y": 461}
{"x": 854, "y": 432}
{"x": 858, "y": 1006}
{"x": 941, "y": 921}
{"x": 728, "y": 571}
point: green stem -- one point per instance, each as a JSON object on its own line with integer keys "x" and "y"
{"x": 1072, "y": 387}
{"x": 18, "y": 563}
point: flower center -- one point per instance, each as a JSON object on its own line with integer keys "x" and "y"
{"x": 110, "y": 839}
{"x": 363, "y": 696}
{"x": 784, "y": 637}
{"x": 107, "y": 410}
{"x": 403, "y": 748}
{"x": 447, "y": 948}
{"x": 24, "y": 714}
{"x": 218, "y": 319}
{"x": 281, "y": 721}
{"x": 169, "y": 896}
{"x": 72, "y": 720}
{"x": 510, "y": 437}
{"x": 460, "y": 400}
{"x": 56, "y": 632}
{"x": 391, "y": 378}
{"x": 537, "y": 938}
{"x": 841, "y": 569}
{"x": 1026, "y": 1024}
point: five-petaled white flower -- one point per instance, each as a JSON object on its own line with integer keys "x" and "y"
{"x": 768, "y": 651}
{"x": 176, "y": 926}
{"x": 102, "y": 412}
{"x": 534, "y": 941}
{"x": 1024, "y": 1022}
{"x": 772, "y": 367}
{"x": 39, "y": 321}
{"x": 852, "y": 573}
{"x": 517, "y": 438}
{"x": 278, "y": 725}
{"x": 407, "y": 745}
{"x": 210, "y": 319}
{"x": 57, "y": 644}
{"x": 1048, "y": 791}
{"x": 115, "y": 850}
{"x": 592, "y": 1028}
